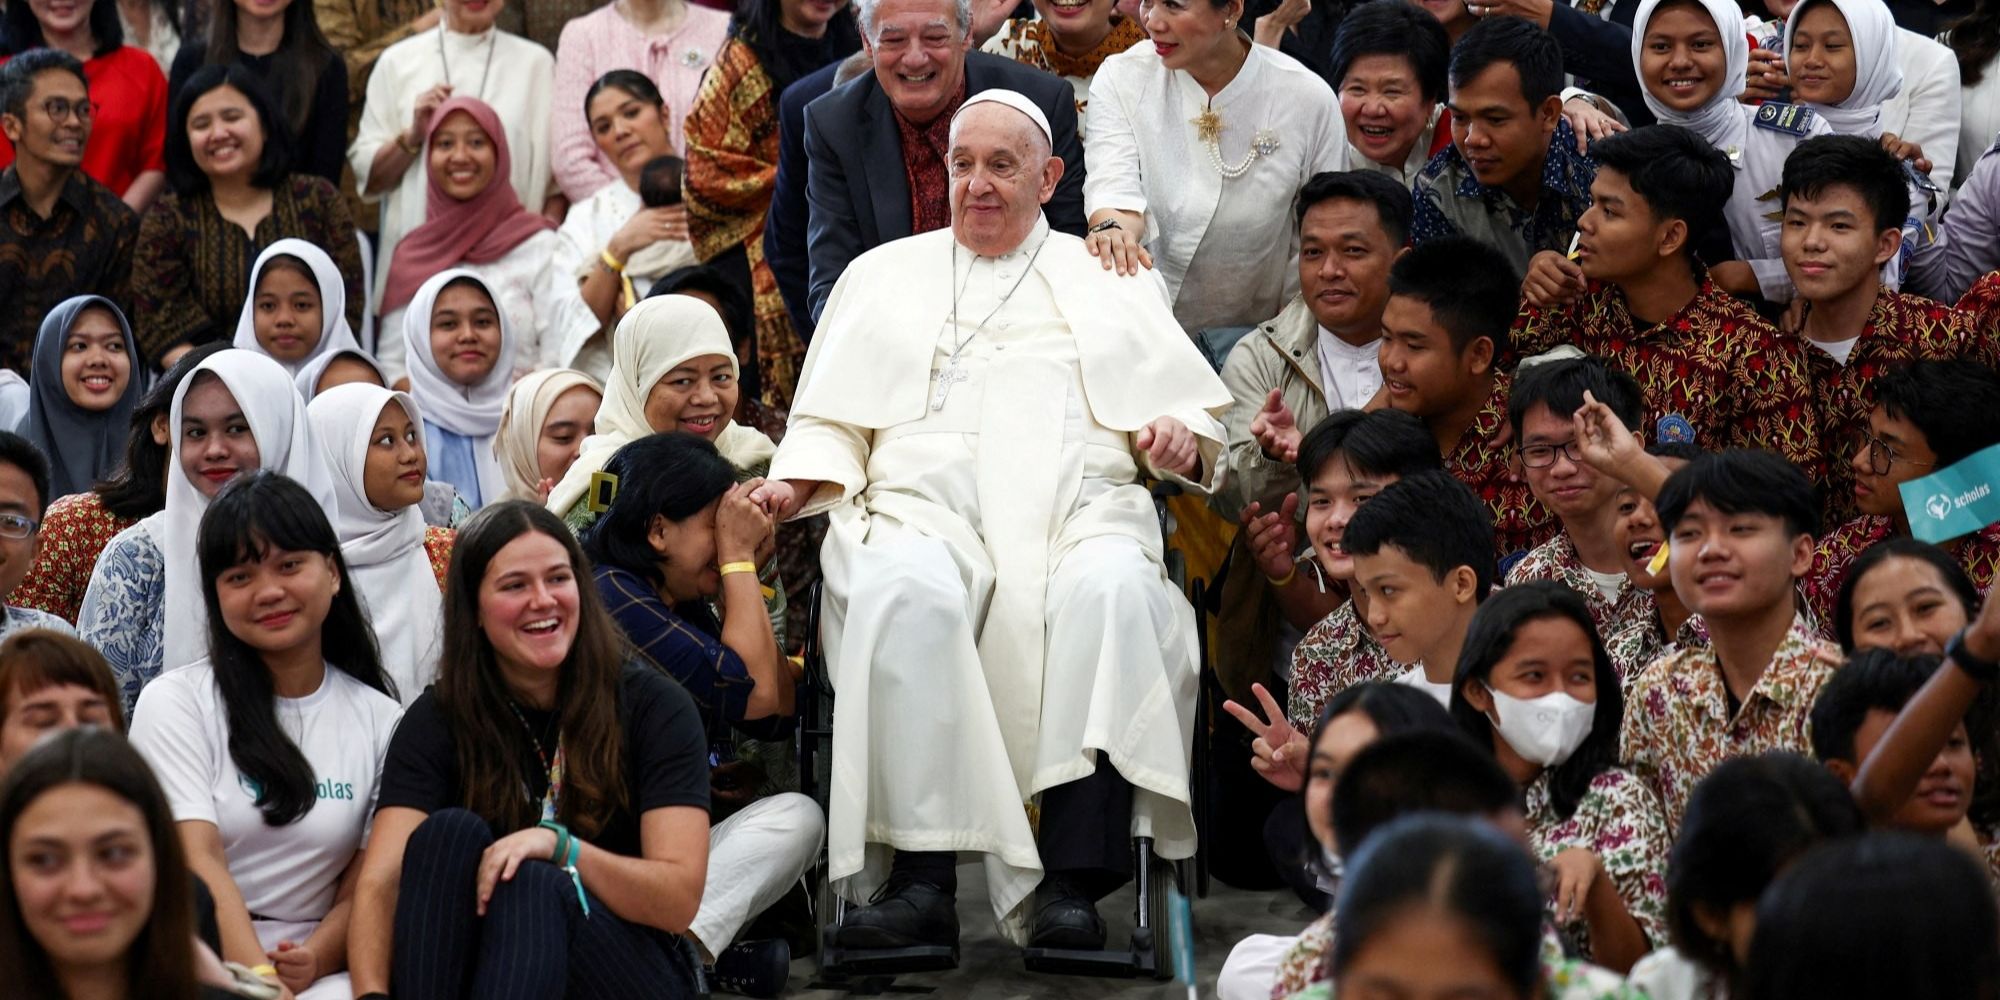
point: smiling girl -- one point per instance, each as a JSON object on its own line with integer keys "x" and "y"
{"x": 236, "y": 412}
{"x": 270, "y": 746}
{"x": 83, "y": 392}
{"x": 462, "y": 349}
{"x": 297, "y": 309}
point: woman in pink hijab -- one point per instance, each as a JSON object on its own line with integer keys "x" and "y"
{"x": 474, "y": 220}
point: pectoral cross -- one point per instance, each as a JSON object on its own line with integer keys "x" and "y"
{"x": 945, "y": 378}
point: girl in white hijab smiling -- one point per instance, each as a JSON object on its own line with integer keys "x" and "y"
{"x": 235, "y": 413}
{"x": 672, "y": 369}
{"x": 461, "y": 354}
{"x": 372, "y": 441}
{"x": 297, "y": 311}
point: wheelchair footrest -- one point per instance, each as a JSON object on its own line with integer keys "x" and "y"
{"x": 838, "y": 961}
{"x": 1141, "y": 960}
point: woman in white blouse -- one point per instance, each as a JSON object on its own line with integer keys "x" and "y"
{"x": 1198, "y": 140}
{"x": 465, "y": 56}
{"x": 474, "y": 221}
{"x": 612, "y": 243}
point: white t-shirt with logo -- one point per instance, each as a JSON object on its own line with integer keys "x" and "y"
{"x": 289, "y": 874}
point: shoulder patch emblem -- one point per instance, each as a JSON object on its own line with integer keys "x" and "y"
{"x": 1673, "y": 429}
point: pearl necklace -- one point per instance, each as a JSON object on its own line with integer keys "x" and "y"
{"x": 1208, "y": 128}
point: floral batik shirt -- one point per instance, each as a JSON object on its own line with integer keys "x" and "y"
{"x": 1636, "y": 643}
{"x": 1556, "y": 560}
{"x": 1677, "y": 721}
{"x": 1978, "y": 553}
{"x": 1562, "y": 978}
{"x": 75, "y": 530}
{"x": 1520, "y": 522}
{"x": 1714, "y": 374}
{"x": 1337, "y": 653}
{"x": 124, "y": 611}
{"x": 1900, "y": 329}
{"x": 1619, "y": 820}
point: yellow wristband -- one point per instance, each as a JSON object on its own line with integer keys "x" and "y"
{"x": 266, "y": 971}
{"x": 1280, "y": 581}
{"x": 616, "y": 266}
{"x": 739, "y": 567}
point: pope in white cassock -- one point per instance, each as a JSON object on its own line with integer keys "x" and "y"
{"x": 1015, "y": 674}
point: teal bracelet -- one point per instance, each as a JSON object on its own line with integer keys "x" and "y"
{"x": 568, "y": 849}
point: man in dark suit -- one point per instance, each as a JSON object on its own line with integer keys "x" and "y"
{"x": 870, "y": 142}
{"x": 785, "y": 222}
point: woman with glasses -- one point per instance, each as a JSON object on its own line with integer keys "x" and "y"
{"x": 126, "y": 115}
{"x": 1927, "y": 415}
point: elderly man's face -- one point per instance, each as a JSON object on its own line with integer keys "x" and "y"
{"x": 1001, "y": 173}
{"x": 919, "y": 49}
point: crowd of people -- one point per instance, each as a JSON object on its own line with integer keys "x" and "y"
{"x": 429, "y": 434}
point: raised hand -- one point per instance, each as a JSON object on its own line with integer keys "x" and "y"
{"x": 1606, "y": 444}
{"x": 1552, "y": 280}
{"x": 1272, "y": 537}
{"x": 1276, "y": 429}
{"x": 1279, "y": 751}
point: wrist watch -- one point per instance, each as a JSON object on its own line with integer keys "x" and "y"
{"x": 1983, "y": 671}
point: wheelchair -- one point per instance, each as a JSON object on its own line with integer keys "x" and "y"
{"x": 1146, "y": 954}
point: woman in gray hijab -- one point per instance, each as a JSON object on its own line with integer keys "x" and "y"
{"x": 83, "y": 385}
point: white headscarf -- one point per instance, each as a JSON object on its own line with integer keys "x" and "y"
{"x": 312, "y": 371}
{"x": 470, "y": 410}
{"x": 520, "y": 437}
{"x": 384, "y": 549}
{"x": 1877, "y": 76}
{"x": 334, "y": 334}
{"x": 656, "y": 336}
{"x": 1721, "y": 121}
{"x": 277, "y": 418}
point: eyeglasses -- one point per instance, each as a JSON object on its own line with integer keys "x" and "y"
{"x": 1541, "y": 456}
{"x": 17, "y": 527}
{"x": 1881, "y": 457}
{"x": 59, "y": 109}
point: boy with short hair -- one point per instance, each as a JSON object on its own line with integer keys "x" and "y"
{"x": 1584, "y": 556}
{"x": 24, "y": 494}
{"x": 1714, "y": 373}
{"x": 1857, "y": 707}
{"x": 1926, "y": 415}
{"x": 1740, "y": 526}
{"x": 1345, "y": 461}
{"x": 1443, "y": 332}
{"x": 1515, "y": 181}
{"x": 1423, "y": 561}
{"x": 1844, "y": 201}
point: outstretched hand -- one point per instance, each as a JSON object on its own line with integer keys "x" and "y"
{"x": 1276, "y": 429}
{"x": 1606, "y": 444}
{"x": 1279, "y": 751}
{"x": 1271, "y": 537}
{"x": 1170, "y": 446}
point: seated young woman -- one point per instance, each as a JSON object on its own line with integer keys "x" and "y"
{"x": 236, "y": 412}
{"x": 83, "y": 820}
{"x": 681, "y": 533}
{"x": 297, "y": 309}
{"x": 77, "y": 527}
{"x": 372, "y": 440}
{"x": 291, "y": 702}
{"x": 461, "y": 349}
{"x": 82, "y": 392}
{"x": 542, "y": 428}
{"x": 1535, "y": 684}
{"x": 542, "y": 825}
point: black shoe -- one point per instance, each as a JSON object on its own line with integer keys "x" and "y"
{"x": 752, "y": 968}
{"x": 1065, "y": 918}
{"x": 904, "y": 913}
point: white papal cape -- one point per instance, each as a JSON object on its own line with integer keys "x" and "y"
{"x": 1003, "y": 536}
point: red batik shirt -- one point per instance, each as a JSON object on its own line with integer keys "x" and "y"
{"x": 1978, "y": 553}
{"x": 1714, "y": 373}
{"x": 1900, "y": 329}
{"x": 1520, "y": 522}
{"x": 925, "y": 149}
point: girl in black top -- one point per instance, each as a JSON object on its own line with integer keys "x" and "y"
{"x": 542, "y": 825}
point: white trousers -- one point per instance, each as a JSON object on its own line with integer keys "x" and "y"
{"x": 753, "y": 859}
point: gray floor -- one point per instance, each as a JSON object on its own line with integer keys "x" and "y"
{"x": 990, "y": 968}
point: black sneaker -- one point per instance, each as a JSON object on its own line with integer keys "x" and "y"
{"x": 906, "y": 912}
{"x": 1065, "y": 918}
{"x": 752, "y": 968}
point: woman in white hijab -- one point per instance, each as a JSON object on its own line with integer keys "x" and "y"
{"x": 461, "y": 354}
{"x": 543, "y": 427}
{"x": 372, "y": 441}
{"x": 297, "y": 310}
{"x": 237, "y": 412}
{"x": 1703, "y": 40}
{"x": 672, "y": 369}
{"x": 334, "y": 368}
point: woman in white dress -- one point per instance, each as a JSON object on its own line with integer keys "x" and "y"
{"x": 1199, "y": 140}
{"x": 475, "y": 222}
{"x": 464, "y": 56}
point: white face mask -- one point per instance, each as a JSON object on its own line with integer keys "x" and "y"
{"x": 1545, "y": 730}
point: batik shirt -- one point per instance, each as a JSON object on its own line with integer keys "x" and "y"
{"x": 1677, "y": 722}
{"x": 1619, "y": 819}
{"x": 1637, "y": 642}
{"x": 1450, "y": 200}
{"x": 74, "y": 532}
{"x": 1900, "y": 329}
{"x": 1337, "y": 653}
{"x": 125, "y": 608}
{"x": 1520, "y": 522}
{"x": 1556, "y": 560}
{"x": 1300, "y": 971}
{"x": 1978, "y": 553}
{"x": 1714, "y": 374}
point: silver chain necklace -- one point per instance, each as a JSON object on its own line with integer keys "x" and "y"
{"x": 492, "y": 35}
{"x": 952, "y": 373}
